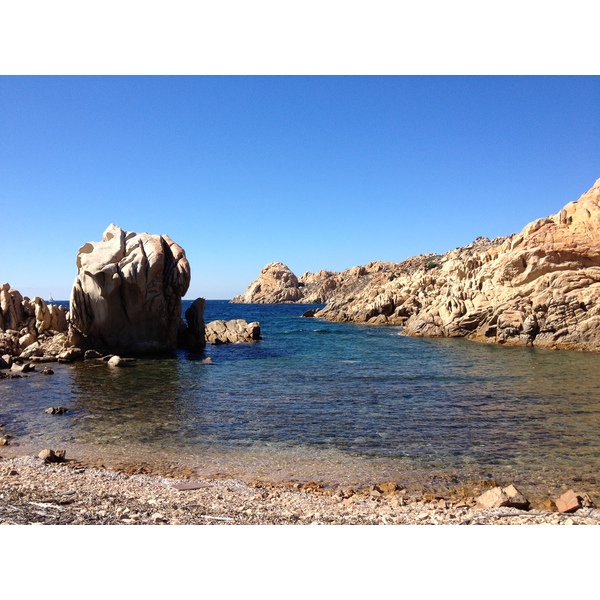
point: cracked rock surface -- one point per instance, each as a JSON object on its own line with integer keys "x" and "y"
{"x": 127, "y": 295}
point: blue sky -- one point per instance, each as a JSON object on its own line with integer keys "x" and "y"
{"x": 316, "y": 172}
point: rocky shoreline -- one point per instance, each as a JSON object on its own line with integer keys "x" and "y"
{"x": 33, "y": 491}
{"x": 538, "y": 288}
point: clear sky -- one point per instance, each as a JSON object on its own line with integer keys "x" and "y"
{"x": 321, "y": 172}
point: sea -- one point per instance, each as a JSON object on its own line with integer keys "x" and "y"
{"x": 336, "y": 403}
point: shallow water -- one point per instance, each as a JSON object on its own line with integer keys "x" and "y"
{"x": 328, "y": 401}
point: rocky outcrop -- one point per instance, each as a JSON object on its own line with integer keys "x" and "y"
{"x": 540, "y": 287}
{"x": 275, "y": 284}
{"x": 192, "y": 337}
{"x": 127, "y": 295}
{"x": 30, "y": 328}
{"x": 231, "y": 332}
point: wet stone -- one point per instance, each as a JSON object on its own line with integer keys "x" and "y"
{"x": 56, "y": 410}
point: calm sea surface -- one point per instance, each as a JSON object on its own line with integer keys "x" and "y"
{"x": 327, "y": 401}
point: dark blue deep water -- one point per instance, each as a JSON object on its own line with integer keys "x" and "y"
{"x": 327, "y": 401}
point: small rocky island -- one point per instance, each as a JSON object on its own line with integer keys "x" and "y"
{"x": 539, "y": 287}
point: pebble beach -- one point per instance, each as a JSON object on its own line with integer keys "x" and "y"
{"x": 34, "y": 492}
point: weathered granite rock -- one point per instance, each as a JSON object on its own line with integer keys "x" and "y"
{"x": 540, "y": 287}
{"x": 569, "y": 502}
{"x": 11, "y": 308}
{"x": 275, "y": 284}
{"x": 30, "y": 327}
{"x": 497, "y": 497}
{"x": 231, "y": 332}
{"x": 127, "y": 295}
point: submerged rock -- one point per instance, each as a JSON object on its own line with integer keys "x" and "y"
{"x": 127, "y": 295}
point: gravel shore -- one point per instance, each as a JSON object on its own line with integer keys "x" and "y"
{"x": 33, "y": 492}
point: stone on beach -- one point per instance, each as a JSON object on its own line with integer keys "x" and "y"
{"x": 51, "y": 456}
{"x": 497, "y": 497}
{"x": 569, "y": 502}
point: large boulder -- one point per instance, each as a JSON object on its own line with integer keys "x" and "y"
{"x": 127, "y": 294}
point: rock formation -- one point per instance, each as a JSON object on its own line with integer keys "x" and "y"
{"x": 127, "y": 295}
{"x": 540, "y": 287}
{"x": 275, "y": 284}
{"x": 30, "y": 328}
{"x": 232, "y": 332}
{"x": 192, "y": 337}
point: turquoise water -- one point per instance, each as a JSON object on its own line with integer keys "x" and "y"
{"x": 328, "y": 401}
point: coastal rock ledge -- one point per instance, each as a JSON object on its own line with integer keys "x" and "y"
{"x": 127, "y": 294}
{"x": 540, "y": 287}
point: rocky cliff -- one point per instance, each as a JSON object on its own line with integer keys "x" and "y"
{"x": 539, "y": 287}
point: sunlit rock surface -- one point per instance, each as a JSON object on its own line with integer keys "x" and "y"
{"x": 127, "y": 295}
{"x": 540, "y": 287}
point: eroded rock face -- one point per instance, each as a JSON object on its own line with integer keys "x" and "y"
{"x": 30, "y": 327}
{"x": 127, "y": 295}
{"x": 275, "y": 284}
{"x": 540, "y": 287}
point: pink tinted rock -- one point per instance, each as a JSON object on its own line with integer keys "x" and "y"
{"x": 568, "y": 502}
{"x": 493, "y": 498}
